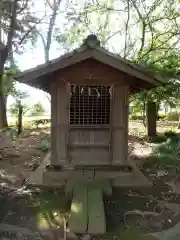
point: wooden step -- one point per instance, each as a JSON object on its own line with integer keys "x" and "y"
{"x": 102, "y": 184}
{"x": 78, "y": 215}
{"x": 88, "y": 145}
{"x": 96, "y": 214}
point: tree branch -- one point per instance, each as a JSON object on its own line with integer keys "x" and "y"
{"x": 43, "y": 40}
{"x": 48, "y": 97}
{"x": 159, "y": 47}
{"x": 126, "y": 28}
{"x": 50, "y": 4}
{"x": 12, "y": 26}
{"x": 50, "y": 28}
{"x": 112, "y": 35}
{"x": 154, "y": 6}
{"x": 28, "y": 32}
{"x": 28, "y": 109}
{"x": 141, "y": 18}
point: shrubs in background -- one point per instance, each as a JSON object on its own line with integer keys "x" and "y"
{"x": 44, "y": 144}
{"x": 135, "y": 117}
{"x": 173, "y": 116}
{"x": 158, "y": 139}
{"x": 162, "y": 116}
{"x": 36, "y": 123}
{"x": 163, "y": 137}
{"x": 140, "y": 118}
{"x": 166, "y": 155}
{"x": 170, "y": 134}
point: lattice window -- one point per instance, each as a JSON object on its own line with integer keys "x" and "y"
{"x": 90, "y": 104}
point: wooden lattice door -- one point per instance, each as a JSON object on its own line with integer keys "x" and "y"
{"x": 89, "y": 120}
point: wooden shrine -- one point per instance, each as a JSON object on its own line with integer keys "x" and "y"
{"x": 90, "y": 89}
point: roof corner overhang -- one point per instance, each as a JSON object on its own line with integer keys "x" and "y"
{"x": 125, "y": 66}
{"x": 37, "y": 77}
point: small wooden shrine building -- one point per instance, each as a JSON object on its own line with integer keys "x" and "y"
{"x": 90, "y": 89}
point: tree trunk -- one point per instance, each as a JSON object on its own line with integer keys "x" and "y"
{"x": 151, "y": 119}
{"x": 3, "y": 98}
{"x": 144, "y": 114}
{"x": 178, "y": 123}
{"x": 20, "y": 114}
{"x": 5, "y": 50}
{"x": 52, "y": 21}
{"x": 3, "y": 116}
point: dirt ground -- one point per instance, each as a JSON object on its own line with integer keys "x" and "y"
{"x": 42, "y": 214}
{"x": 20, "y": 157}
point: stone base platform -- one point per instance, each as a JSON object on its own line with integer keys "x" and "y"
{"x": 47, "y": 177}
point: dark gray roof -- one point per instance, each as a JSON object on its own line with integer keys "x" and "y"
{"x": 90, "y": 49}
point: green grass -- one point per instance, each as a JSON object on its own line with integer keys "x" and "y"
{"x": 131, "y": 233}
{"x": 52, "y": 208}
{"x": 166, "y": 155}
{"x": 44, "y": 144}
{"x": 52, "y": 201}
{"x": 27, "y": 120}
{"x": 158, "y": 139}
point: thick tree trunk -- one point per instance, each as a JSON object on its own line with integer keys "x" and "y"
{"x": 178, "y": 124}
{"x": 3, "y": 116}
{"x": 5, "y": 50}
{"x": 144, "y": 114}
{"x": 20, "y": 114}
{"x": 151, "y": 118}
{"x": 3, "y": 98}
{"x": 52, "y": 21}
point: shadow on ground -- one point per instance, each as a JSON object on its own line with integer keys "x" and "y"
{"x": 33, "y": 215}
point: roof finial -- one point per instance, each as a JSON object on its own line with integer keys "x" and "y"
{"x": 91, "y": 41}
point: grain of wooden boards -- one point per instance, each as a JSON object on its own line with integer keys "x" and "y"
{"x": 78, "y": 216}
{"x": 96, "y": 214}
{"x": 87, "y": 209}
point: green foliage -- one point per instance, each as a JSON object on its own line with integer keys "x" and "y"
{"x": 41, "y": 121}
{"x": 8, "y": 81}
{"x": 14, "y": 109}
{"x": 173, "y": 116}
{"x": 166, "y": 155}
{"x": 138, "y": 103}
{"x": 50, "y": 202}
{"x": 160, "y": 55}
{"x": 162, "y": 116}
{"x": 37, "y": 109}
{"x": 170, "y": 134}
{"x": 44, "y": 144}
{"x": 18, "y": 95}
{"x": 12, "y": 132}
{"x": 168, "y": 69}
{"x": 136, "y": 117}
{"x": 23, "y": 30}
{"x": 131, "y": 233}
{"x": 158, "y": 139}
{"x": 72, "y": 37}
{"x": 155, "y": 47}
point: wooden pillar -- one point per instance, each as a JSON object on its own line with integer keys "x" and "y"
{"x": 62, "y": 122}
{"x": 120, "y": 125}
{"x": 151, "y": 119}
{"x": 59, "y": 125}
{"x": 53, "y": 123}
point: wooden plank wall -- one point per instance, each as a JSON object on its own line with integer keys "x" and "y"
{"x": 85, "y": 137}
{"x": 88, "y": 156}
{"x": 60, "y": 118}
{"x": 120, "y": 125}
